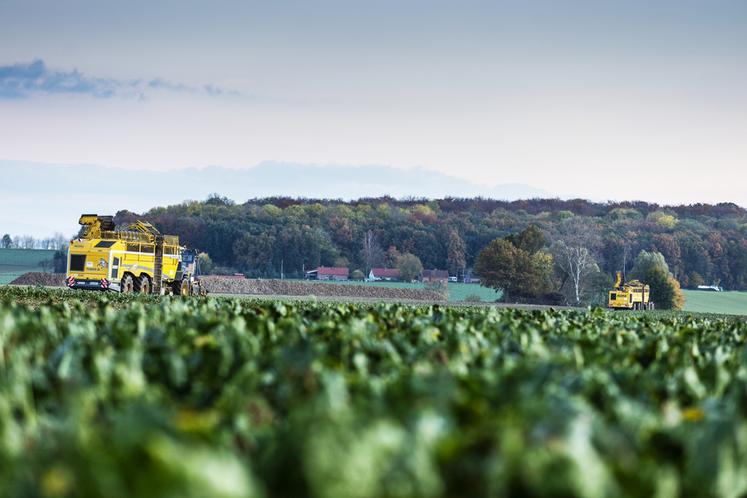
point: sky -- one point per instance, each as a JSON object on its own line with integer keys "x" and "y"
{"x": 597, "y": 99}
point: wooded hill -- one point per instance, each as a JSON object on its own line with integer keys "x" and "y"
{"x": 701, "y": 243}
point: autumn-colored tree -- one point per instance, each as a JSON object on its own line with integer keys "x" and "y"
{"x": 391, "y": 257}
{"x": 651, "y": 268}
{"x": 409, "y": 267}
{"x": 513, "y": 270}
{"x": 530, "y": 239}
{"x": 455, "y": 252}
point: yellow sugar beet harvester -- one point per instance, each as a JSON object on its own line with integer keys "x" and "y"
{"x": 632, "y": 295}
{"x": 137, "y": 259}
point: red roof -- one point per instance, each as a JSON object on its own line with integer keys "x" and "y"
{"x": 331, "y": 270}
{"x": 385, "y": 272}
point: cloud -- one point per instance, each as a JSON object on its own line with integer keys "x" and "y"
{"x": 23, "y": 80}
{"x": 211, "y": 90}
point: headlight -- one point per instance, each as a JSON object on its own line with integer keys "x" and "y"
{"x": 103, "y": 263}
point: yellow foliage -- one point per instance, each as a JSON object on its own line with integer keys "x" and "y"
{"x": 678, "y": 298}
{"x": 663, "y": 219}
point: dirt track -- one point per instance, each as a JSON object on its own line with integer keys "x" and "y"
{"x": 232, "y": 286}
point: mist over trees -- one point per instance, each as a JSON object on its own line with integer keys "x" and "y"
{"x": 56, "y": 242}
{"x": 701, "y": 243}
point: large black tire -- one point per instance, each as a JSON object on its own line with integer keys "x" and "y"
{"x": 127, "y": 285}
{"x": 144, "y": 287}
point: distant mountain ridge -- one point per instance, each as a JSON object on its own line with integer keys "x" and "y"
{"x": 41, "y": 198}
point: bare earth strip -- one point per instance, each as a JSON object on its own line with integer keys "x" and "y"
{"x": 218, "y": 285}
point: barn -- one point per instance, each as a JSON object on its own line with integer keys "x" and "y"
{"x": 386, "y": 274}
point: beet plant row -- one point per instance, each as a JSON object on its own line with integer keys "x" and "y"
{"x": 112, "y": 396}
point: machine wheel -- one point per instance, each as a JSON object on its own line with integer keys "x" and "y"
{"x": 127, "y": 286}
{"x": 144, "y": 287}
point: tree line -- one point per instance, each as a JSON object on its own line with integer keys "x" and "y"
{"x": 528, "y": 268}
{"x": 702, "y": 244}
{"x": 57, "y": 242}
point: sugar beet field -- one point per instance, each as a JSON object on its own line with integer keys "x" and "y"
{"x": 112, "y": 396}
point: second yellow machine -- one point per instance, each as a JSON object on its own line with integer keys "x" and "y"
{"x": 136, "y": 259}
{"x": 632, "y": 295}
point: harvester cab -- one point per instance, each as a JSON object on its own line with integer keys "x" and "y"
{"x": 92, "y": 225}
{"x": 631, "y": 295}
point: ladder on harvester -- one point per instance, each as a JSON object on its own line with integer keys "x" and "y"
{"x": 158, "y": 265}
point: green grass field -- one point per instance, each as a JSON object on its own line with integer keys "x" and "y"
{"x": 16, "y": 262}
{"x": 730, "y": 303}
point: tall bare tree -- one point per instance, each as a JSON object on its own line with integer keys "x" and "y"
{"x": 574, "y": 253}
{"x": 373, "y": 254}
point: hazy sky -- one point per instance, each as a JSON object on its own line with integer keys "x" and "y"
{"x": 601, "y": 99}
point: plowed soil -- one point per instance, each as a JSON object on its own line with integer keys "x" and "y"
{"x": 223, "y": 285}
{"x": 41, "y": 278}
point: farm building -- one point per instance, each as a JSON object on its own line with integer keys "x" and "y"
{"x": 386, "y": 274}
{"x": 328, "y": 273}
{"x": 434, "y": 276}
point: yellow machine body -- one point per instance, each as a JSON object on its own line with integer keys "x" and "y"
{"x": 632, "y": 295}
{"x": 105, "y": 259}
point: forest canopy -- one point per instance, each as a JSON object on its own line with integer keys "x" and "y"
{"x": 702, "y": 244}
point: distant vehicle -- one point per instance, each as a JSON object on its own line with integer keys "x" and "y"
{"x": 632, "y": 295}
{"x": 137, "y": 259}
{"x": 453, "y": 279}
{"x": 711, "y": 288}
